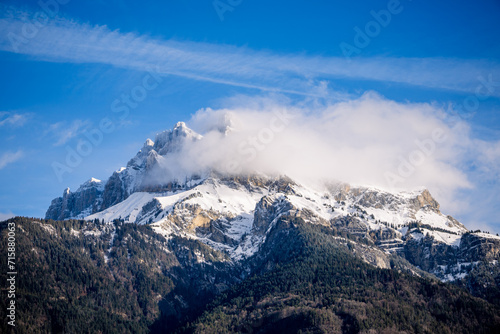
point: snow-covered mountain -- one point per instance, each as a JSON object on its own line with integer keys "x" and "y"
{"x": 234, "y": 213}
{"x": 139, "y": 175}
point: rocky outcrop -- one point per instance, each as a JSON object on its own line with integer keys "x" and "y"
{"x": 173, "y": 140}
{"x": 140, "y": 172}
{"x": 383, "y": 200}
{"x": 451, "y": 262}
{"x": 428, "y": 255}
{"x": 352, "y": 225}
{"x": 114, "y": 191}
{"x": 86, "y": 200}
{"x": 374, "y": 199}
{"x": 266, "y": 212}
{"x": 477, "y": 248}
{"x": 425, "y": 200}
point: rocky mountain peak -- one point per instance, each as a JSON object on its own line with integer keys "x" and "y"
{"x": 425, "y": 200}
{"x": 180, "y": 126}
{"x": 91, "y": 183}
{"x": 125, "y": 181}
{"x": 173, "y": 140}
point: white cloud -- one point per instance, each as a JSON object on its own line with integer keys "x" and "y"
{"x": 68, "y": 41}
{"x": 12, "y": 119}
{"x": 10, "y": 157}
{"x": 488, "y": 158}
{"x": 63, "y": 132}
{"x": 358, "y": 141}
{"x": 5, "y": 216}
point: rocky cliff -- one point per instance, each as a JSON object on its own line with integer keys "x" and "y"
{"x": 86, "y": 200}
{"x": 94, "y": 195}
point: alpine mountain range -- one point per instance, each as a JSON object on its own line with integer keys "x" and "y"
{"x": 155, "y": 248}
{"x": 234, "y": 213}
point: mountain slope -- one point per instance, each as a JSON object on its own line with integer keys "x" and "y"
{"x": 76, "y": 276}
{"x": 233, "y": 214}
{"x": 320, "y": 287}
{"x": 82, "y": 276}
{"x": 235, "y": 218}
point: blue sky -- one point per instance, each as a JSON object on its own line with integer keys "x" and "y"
{"x": 61, "y": 80}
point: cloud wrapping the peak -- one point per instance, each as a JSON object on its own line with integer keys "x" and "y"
{"x": 363, "y": 141}
{"x": 368, "y": 141}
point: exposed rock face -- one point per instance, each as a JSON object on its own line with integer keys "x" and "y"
{"x": 476, "y": 248}
{"x": 377, "y": 199}
{"x": 114, "y": 191}
{"x": 267, "y": 210}
{"x": 55, "y": 210}
{"x": 425, "y": 200}
{"x": 351, "y": 224}
{"x": 428, "y": 255}
{"x": 172, "y": 140}
{"x": 86, "y": 200}
{"x": 341, "y": 191}
{"x": 374, "y": 199}
{"x": 450, "y": 262}
{"x": 139, "y": 175}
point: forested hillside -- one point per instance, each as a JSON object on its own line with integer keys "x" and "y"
{"x": 88, "y": 277}
{"x": 76, "y": 276}
{"x": 323, "y": 288}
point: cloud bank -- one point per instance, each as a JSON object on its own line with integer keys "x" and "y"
{"x": 367, "y": 141}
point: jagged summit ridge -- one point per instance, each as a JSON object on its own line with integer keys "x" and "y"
{"x": 173, "y": 140}
{"x": 235, "y": 213}
{"x": 142, "y": 175}
{"x": 220, "y": 210}
{"x": 95, "y": 195}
